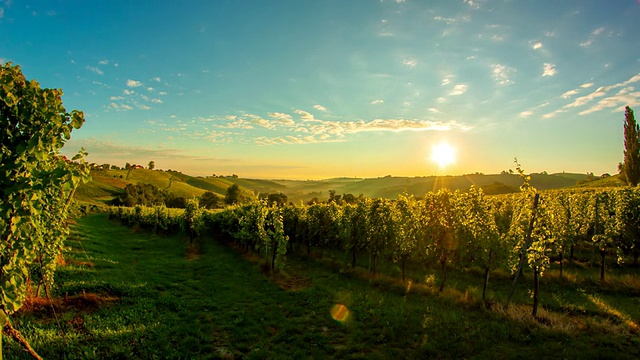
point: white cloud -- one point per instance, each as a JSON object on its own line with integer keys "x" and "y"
{"x": 502, "y": 74}
{"x": 103, "y": 62}
{"x": 446, "y": 80}
{"x": 128, "y": 92}
{"x": 526, "y": 113}
{"x": 156, "y": 101}
{"x": 473, "y": 3}
{"x": 549, "y": 70}
{"x": 156, "y": 79}
{"x": 304, "y": 115}
{"x": 625, "y": 97}
{"x": 144, "y": 107}
{"x": 95, "y": 70}
{"x": 434, "y": 110}
{"x": 537, "y": 45}
{"x": 586, "y": 44}
{"x": 319, "y": 107}
{"x": 446, "y": 20}
{"x": 284, "y": 119}
{"x": 116, "y": 98}
{"x": 121, "y": 107}
{"x": 376, "y": 102}
{"x": 459, "y": 89}
{"x": 598, "y": 31}
{"x": 569, "y": 94}
{"x": 410, "y": 63}
{"x": 133, "y": 83}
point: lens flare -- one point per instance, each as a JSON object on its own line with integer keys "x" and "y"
{"x": 339, "y": 312}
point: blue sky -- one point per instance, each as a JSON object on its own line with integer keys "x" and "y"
{"x": 317, "y": 89}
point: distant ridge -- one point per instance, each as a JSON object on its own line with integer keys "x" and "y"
{"x": 108, "y": 184}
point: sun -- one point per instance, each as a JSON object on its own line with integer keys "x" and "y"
{"x": 443, "y": 154}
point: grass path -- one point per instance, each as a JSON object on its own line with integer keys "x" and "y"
{"x": 136, "y": 295}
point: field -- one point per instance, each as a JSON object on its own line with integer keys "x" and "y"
{"x": 127, "y": 293}
{"x": 107, "y": 184}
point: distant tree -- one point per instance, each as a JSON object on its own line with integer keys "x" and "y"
{"x": 280, "y": 199}
{"x": 209, "y": 200}
{"x": 141, "y": 194}
{"x": 176, "y": 202}
{"x": 152, "y": 165}
{"x": 233, "y": 195}
{"x": 106, "y": 166}
{"x": 127, "y": 166}
{"x": 349, "y": 198}
{"x": 115, "y": 167}
{"x": 234, "y": 176}
{"x": 336, "y": 198}
{"x": 314, "y": 200}
{"x": 631, "y": 165}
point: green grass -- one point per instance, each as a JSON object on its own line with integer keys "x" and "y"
{"x": 132, "y": 294}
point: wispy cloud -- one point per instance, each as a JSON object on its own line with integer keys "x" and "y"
{"x": 473, "y": 3}
{"x": 378, "y": 101}
{"x": 537, "y": 45}
{"x": 304, "y": 115}
{"x": 586, "y": 44}
{"x": 597, "y": 31}
{"x": 121, "y": 107}
{"x": 459, "y": 89}
{"x": 549, "y": 70}
{"x": 502, "y": 74}
{"x": 95, "y": 70}
{"x": 303, "y": 128}
{"x": 133, "y": 83}
{"x": 569, "y": 94}
{"x": 626, "y": 96}
{"x": 526, "y": 113}
{"x": 103, "y": 62}
{"x": 319, "y": 107}
{"x": 410, "y": 62}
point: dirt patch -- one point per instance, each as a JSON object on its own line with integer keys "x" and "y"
{"x": 192, "y": 252}
{"x": 291, "y": 282}
{"x": 73, "y": 262}
{"x": 85, "y": 302}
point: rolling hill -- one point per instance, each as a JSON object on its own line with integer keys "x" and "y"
{"x": 107, "y": 184}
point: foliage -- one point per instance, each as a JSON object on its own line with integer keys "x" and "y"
{"x": 631, "y": 165}
{"x": 209, "y": 200}
{"x": 236, "y": 195}
{"x": 37, "y": 184}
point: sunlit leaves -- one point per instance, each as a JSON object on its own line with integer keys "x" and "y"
{"x": 37, "y": 183}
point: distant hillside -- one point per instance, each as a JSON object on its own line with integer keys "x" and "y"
{"x": 108, "y": 184}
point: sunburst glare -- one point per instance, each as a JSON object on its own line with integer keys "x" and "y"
{"x": 443, "y": 154}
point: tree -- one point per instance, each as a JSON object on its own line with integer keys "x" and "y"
{"x": 631, "y": 165}
{"x": 233, "y": 195}
{"x": 152, "y": 165}
{"x": 37, "y": 188}
{"x": 280, "y": 199}
{"x": 209, "y": 200}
